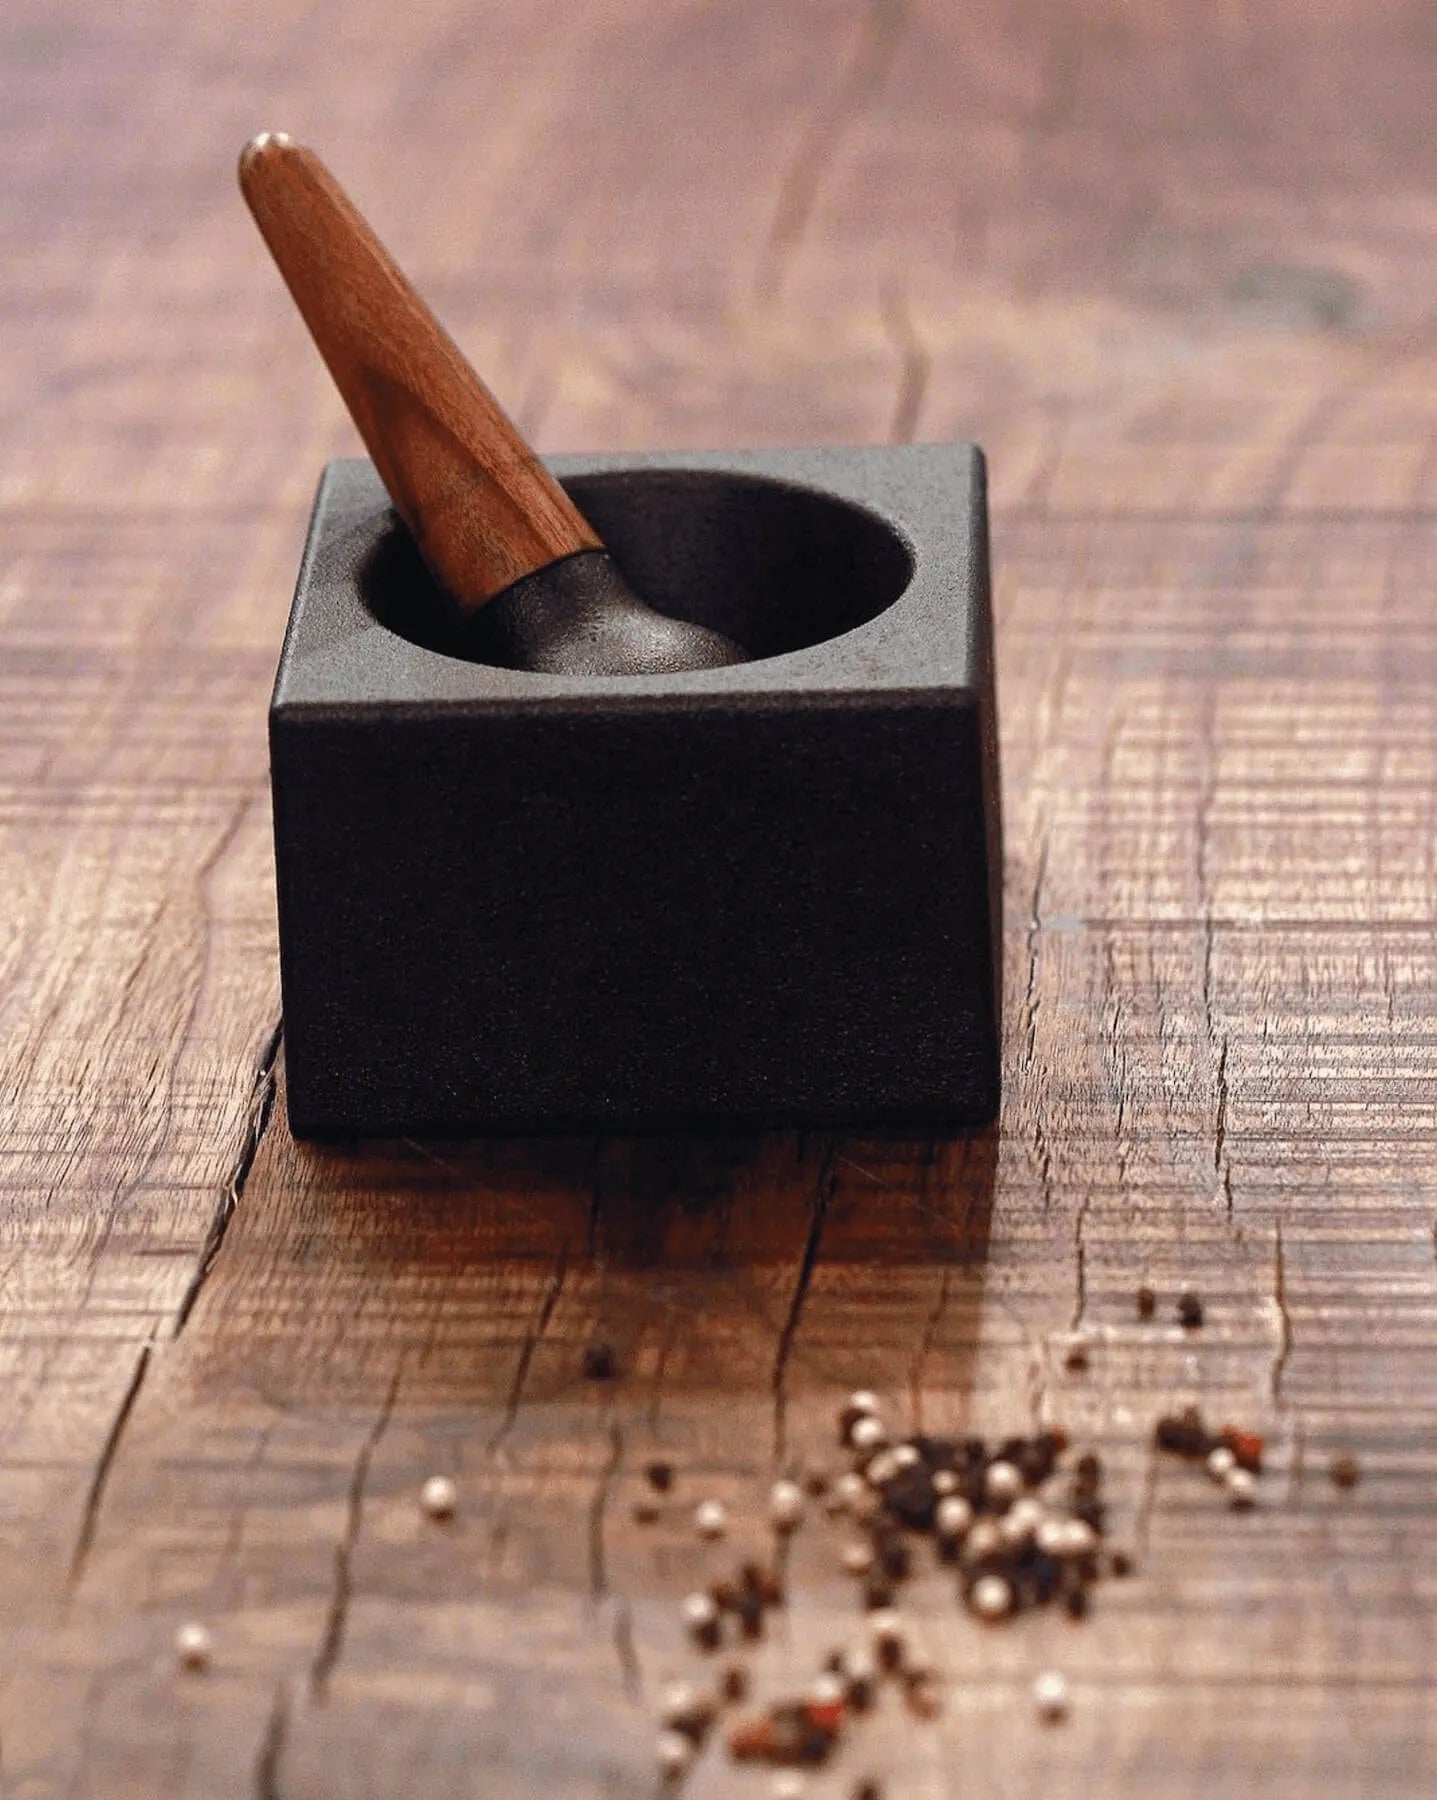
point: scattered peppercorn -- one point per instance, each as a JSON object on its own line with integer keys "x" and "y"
{"x": 991, "y": 1597}
{"x": 1246, "y": 1447}
{"x": 734, "y": 1683}
{"x": 1190, "y": 1313}
{"x": 1345, "y": 1471}
{"x": 660, "y": 1476}
{"x": 1241, "y": 1487}
{"x": 877, "y": 1594}
{"x": 1184, "y": 1435}
{"x": 1147, "y": 1302}
{"x": 701, "y": 1617}
{"x": 194, "y": 1647}
{"x": 646, "y": 1511}
{"x": 710, "y": 1519}
{"x": 1076, "y": 1361}
{"x": 439, "y": 1497}
{"x": 673, "y": 1753}
{"x": 600, "y": 1362}
{"x": 1050, "y": 1696}
{"x": 867, "y": 1789}
{"x": 868, "y": 1434}
{"x": 785, "y": 1506}
{"x": 920, "y": 1691}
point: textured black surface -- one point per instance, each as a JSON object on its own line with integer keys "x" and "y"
{"x": 760, "y": 893}
{"x": 578, "y": 616}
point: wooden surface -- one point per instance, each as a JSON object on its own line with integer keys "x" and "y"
{"x": 1172, "y": 265}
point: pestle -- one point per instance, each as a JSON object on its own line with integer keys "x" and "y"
{"x": 523, "y": 571}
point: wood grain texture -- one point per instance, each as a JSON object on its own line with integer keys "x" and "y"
{"x": 1171, "y": 265}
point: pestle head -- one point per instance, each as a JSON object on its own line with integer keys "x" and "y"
{"x": 578, "y": 616}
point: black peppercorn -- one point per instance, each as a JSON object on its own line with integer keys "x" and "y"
{"x": 1345, "y": 1471}
{"x": 660, "y": 1476}
{"x": 600, "y": 1363}
{"x": 1147, "y": 1302}
{"x": 1190, "y": 1313}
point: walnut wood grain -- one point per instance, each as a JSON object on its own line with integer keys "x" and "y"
{"x": 481, "y": 506}
{"x": 1172, "y": 266}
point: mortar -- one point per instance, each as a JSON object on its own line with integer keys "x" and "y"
{"x": 761, "y": 894}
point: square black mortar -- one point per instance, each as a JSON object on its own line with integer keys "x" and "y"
{"x": 762, "y": 894}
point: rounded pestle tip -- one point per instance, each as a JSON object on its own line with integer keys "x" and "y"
{"x": 259, "y": 146}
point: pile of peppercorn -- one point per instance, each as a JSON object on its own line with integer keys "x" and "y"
{"x": 1013, "y": 1550}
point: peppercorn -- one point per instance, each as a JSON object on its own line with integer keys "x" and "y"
{"x": 1050, "y": 1696}
{"x": 748, "y": 1606}
{"x": 877, "y": 1594}
{"x": 733, "y": 1683}
{"x": 911, "y": 1497}
{"x": 763, "y": 1582}
{"x": 1036, "y": 1460}
{"x": 1002, "y": 1484}
{"x": 1092, "y": 1513}
{"x": 825, "y": 1704}
{"x": 860, "y": 1675}
{"x": 701, "y": 1616}
{"x": 1147, "y": 1302}
{"x": 1076, "y": 1360}
{"x": 920, "y": 1691}
{"x": 439, "y": 1497}
{"x": 1246, "y": 1447}
{"x": 867, "y": 1789}
{"x": 600, "y": 1362}
{"x": 793, "y": 1736}
{"x": 1190, "y": 1313}
{"x": 194, "y": 1647}
{"x": 991, "y": 1597}
{"x": 660, "y": 1476}
{"x": 785, "y": 1506}
{"x": 894, "y": 1557}
{"x": 1345, "y": 1471}
{"x": 710, "y": 1519}
{"x": 1183, "y": 1436}
{"x": 867, "y": 1434}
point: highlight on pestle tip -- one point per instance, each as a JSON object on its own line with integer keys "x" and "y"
{"x": 259, "y": 144}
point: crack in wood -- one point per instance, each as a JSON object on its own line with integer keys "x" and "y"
{"x": 778, "y": 1381}
{"x": 598, "y": 1571}
{"x": 332, "y": 1639}
{"x": 798, "y": 192}
{"x": 1279, "y": 1294}
{"x": 548, "y": 1301}
{"x": 261, "y": 1109}
{"x": 915, "y": 366}
{"x": 918, "y": 1366}
{"x": 1080, "y": 1253}
{"x": 94, "y": 1499}
{"x": 271, "y": 1749}
{"x": 626, "y": 1651}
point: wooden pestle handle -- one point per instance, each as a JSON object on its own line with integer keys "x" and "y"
{"x": 482, "y": 507}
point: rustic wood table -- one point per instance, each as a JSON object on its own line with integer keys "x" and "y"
{"x": 1172, "y": 265}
